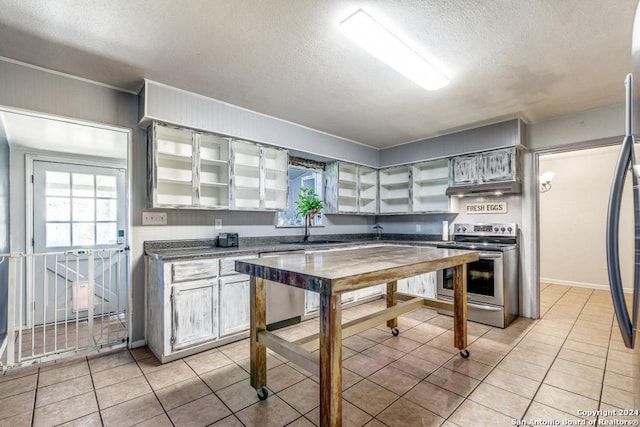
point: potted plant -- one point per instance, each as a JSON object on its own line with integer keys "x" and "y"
{"x": 307, "y": 206}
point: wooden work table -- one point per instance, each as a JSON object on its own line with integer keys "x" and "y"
{"x": 330, "y": 274}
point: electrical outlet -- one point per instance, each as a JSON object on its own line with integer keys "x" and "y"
{"x": 218, "y": 224}
{"x": 154, "y": 218}
{"x": 418, "y": 228}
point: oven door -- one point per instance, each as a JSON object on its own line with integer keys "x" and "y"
{"x": 484, "y": 279}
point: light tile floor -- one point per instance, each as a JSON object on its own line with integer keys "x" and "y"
{"x": 572, "y": 359}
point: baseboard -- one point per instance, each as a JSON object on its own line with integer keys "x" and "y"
{"x": 139, "y": 343}
{"x": 580, "y": 284}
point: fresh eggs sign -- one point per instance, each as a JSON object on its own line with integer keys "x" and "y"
{"x": 487, "y": 208}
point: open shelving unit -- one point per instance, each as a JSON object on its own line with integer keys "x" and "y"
{"x": 430, "y": 182}
{"x": 213, "y": 171}
{"x": 260, "y": 176}
{"x": 189, "y": 169}
{"x": 276, "y": 178}
{"x": 246, "y": 175}
{"x": 174, "y": 166}
{"x": 367, "y": 190}
{"x": 394, "y": 190}
{"x": 348, "y": 188}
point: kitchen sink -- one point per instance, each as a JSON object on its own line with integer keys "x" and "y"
{"x": 313, "y": 242}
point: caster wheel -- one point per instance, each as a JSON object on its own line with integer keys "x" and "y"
{"x": 395, "y": 332}
{"x": 262, "y": 393}
{"x": 464, "y": 353}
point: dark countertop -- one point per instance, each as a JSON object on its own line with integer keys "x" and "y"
{"x": 205, "y": 248}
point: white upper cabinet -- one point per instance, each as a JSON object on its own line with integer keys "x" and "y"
{"x": 429, "y": 184}
{"x": 394, "y": 190}
{"x": 259, "y": 176}
{"x": 187, "y": 168}
{"x": 486, "y": 167}
{"x": 276, "y": 178}
{"x": 193, "y": 169}
{"x": 350, "y": 188}
{"x": 367, "y": 190}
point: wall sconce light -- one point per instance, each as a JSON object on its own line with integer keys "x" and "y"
{"x": 545, "y": 181}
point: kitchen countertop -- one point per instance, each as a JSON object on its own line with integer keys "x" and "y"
{"x": 205, "y": 248}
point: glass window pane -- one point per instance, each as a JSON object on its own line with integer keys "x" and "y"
{"x": 57, "y": 209}
{"x": 106, "y": 210}
{"x": 300, "y": 178}
{"x": 106, "y": 186}
{"x": 106, "y": 233}
{"x": 57, "y": 234}
{"x": 83, "y": 209}
{"x": 57, "y": 183}
{"x": 83, "y": 185}
{"x": 83, "y": 234}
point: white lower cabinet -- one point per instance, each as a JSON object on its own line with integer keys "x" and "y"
{"x": 234, "y": 305}
{"x": 424, "y": 285}
{"x": 194, "y": 305}
{"x": 312, "y": 299}
{"x": 194, "y": 312}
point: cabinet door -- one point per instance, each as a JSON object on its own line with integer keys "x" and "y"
{"x": 194, "y": 313}
{"x": 234, "y": 304}
{"x": 311, "y": 302}
{"x": 464, "y": 170}
{"x": 423, "y": 285}
{"x": 498, "y": 166}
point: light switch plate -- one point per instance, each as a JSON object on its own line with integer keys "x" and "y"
{"x": 154, "y": 218}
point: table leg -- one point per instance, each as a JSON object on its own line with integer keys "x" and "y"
{"x": 330, "y": 360}
{"x": 258, "y": 322}
{"x": 392, "y": 288}
{"x": 460, "y": 307}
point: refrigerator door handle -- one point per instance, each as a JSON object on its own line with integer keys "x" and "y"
{"x": 613, "y": 256}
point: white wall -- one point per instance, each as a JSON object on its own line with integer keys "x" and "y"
{"x": 573, "y": 218}
{"x": 576, "y": 128}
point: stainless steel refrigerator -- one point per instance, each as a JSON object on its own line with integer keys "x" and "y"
{"x": 626, "y": 310}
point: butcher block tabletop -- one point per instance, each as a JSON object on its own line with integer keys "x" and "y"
{"x": 334, "y": 272}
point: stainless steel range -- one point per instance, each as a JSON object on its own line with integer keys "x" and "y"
{"x": 493, "y": 280}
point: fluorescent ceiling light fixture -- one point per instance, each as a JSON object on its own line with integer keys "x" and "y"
{"x": 387, "y": 47}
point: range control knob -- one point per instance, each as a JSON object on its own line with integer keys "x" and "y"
{"x": 495, "y": 229}
{"x": 458, "y": 229}
{"x": 509, "y": 229}
{"x": 464, "y": 228}
{"x": 502, "y": 229}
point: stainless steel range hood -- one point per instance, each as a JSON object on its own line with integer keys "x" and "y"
{"x": 486, "y": 189}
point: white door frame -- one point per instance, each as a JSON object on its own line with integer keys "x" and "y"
{"x": 67, "y": 158}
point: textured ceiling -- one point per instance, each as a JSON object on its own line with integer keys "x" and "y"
{"x": 287, "y": 58}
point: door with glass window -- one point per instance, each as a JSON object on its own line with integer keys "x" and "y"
{"x": 76, "y": 209}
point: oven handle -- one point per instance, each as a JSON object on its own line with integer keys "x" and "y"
{"x": 485, "y": 307}
{"x": 490, "y": 255}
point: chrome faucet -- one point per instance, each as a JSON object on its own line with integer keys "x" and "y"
{"x": 377, "y": 232}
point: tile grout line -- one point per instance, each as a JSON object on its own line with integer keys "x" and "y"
{"x": 560, "y": 349}
{"x": 35, "y": 396}
{"x": 144, "y": 375}
{"x": 496, "y": 366}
